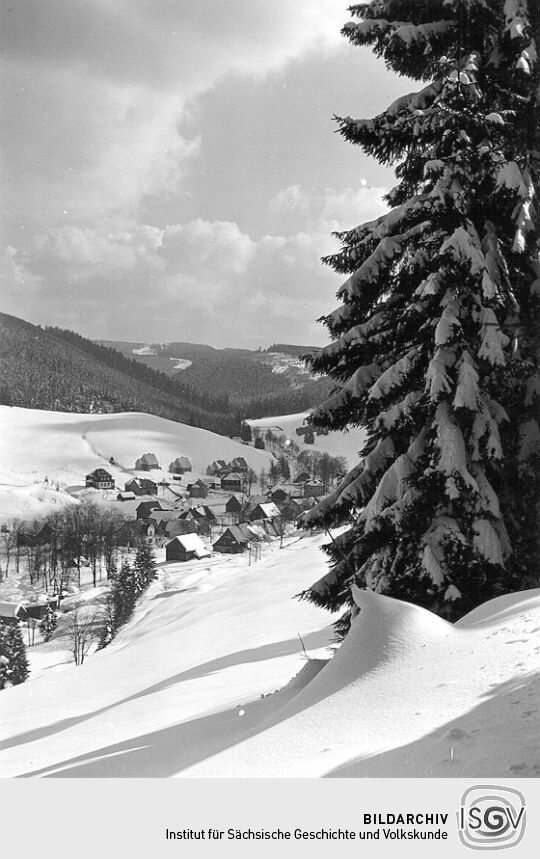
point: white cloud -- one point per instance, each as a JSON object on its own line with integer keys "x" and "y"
{"x": 329, "y": 207}
{"x": 100, "y": 129}
{"x": 289, "y": 199}
{"x": 200, "y": 246}
{"x": 104, "y": 249}
{"x": 16, "y": 277}
{"x": 208, "y": 277}
{"x": 94, "y": 92}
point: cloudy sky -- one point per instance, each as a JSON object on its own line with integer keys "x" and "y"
{"x": 170, "y": 169}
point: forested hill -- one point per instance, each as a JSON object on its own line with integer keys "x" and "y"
{"x": 59, "y": 370}
{"x": 256, "y": 383}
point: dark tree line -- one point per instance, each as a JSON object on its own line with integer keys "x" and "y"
{"x": 61, "y": 371}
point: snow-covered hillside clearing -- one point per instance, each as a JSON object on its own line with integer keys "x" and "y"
{"x": 64, "y": 447}
{"x": 185, "y": 689}
{"x": 345, "y": 444}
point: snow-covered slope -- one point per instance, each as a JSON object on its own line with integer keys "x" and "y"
{"x": 408, "y": 694}
{"x": 345, "y": 444}
{"x": 64, "y": 447}
{"x": 185, "y": 688}
{"x": 165, "y": 693}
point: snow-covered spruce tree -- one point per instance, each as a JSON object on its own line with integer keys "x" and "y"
{"x": 435, "y": 346}
{"x": 48, "y": 623}
{"x": 144, "y": 567}
{"x": 124, "y": 594}
{"x": 14, "y": 667}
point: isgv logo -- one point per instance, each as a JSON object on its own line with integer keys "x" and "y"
{"x": 491, "y": 817}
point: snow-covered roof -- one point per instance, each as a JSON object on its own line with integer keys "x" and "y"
{"x": 181, "y": 462}
{"x": 192, "y": 543}
{"x": 239, "y": 532}
{"x": 239, "y": 462}
{"x": 269, "y": 509}
{"x": 141, "y": 481}
{"x": 231, "y": 476}
{"x": 148, "y": 459}
{"x": 100, "y": 473}
{"x": 12, "y": 609}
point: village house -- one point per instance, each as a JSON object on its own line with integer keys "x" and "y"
{"x": 180, "y": 465}
{"x": 279, "y": 495}
{"x": 147, "y": 529}
{"x": 204, "y": 512}
{"x": 302, "y": 477}
{"x": 235, "y": 539}
{"x": 145, "y": 508}
{"x": 239, "y": 464}
{"x": 218, "y": 468}
{"x": 12, "y": 612}
{"x": 232, "y": 482}
{"x": 141, "y": 486}
{"x": 198, "y": 489}
{"x": 161, "y": 517}
{"x": 211, "y": 482}
{"x": 313, "y": 489}
{"x": 179, "y": 527}
{"x": 163, "y": 526}
{"x": 100, "y": 479}
{"x": 37, "y": 611}
{"x": 189, "y": 516}
{"x": 146, "y": 462}
{"x": 126, "y": 496}
{"x": 294, "y": 508}
{"x": 204, "y": 518}
{"x": 235, "y": 505}
{"x": 186, "y": 547}
{"x": 263, "y": 511}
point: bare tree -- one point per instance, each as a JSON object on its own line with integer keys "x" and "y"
{"x": 249, "y": 479}
{"x": 81, "y": 631}
{"x": 8, "y": 545}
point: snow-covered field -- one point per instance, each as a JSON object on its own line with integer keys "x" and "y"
{"x": 186, "y": 688}
{"x": 64, "y": 447}
{"x": 345, "y": 444}
{"x": 181, "y": 363}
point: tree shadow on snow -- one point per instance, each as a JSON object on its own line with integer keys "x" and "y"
{"x": 289, "y": 647}
{"x": 162, "y": 753}
{"x": 481, "y": 738}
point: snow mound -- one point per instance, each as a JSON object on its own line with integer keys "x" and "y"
{"x": 385, "y": 632}
{"x": 408, "y": 694}
{"x": 32, "y": 501}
